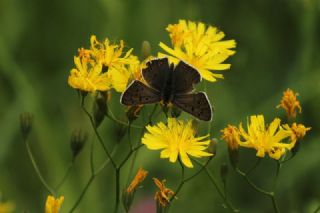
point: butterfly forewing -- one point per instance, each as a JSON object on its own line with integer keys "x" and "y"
{"x": 137, "y": 93}
{"x": 197, "y": 104}
{"x": 156, "y": 73}
{"x": 184, "y": 77}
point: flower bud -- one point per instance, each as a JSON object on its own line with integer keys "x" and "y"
{"x": 145, "y": 50}
{"x": 100, "y": 108}
{"x": 25, "y": 124}
{"x": 78, "y": 139}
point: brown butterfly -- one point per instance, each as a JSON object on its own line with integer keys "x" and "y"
{"x": 169, "y": 84}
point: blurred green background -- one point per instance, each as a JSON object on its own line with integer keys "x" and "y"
{"x": 277, "y": 47}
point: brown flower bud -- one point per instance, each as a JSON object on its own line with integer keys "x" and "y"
{"x": 25, "y": 124}
{"x": 77, "y": 142}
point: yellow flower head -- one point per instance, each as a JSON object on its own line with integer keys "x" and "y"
{"x": 290, "y": 103}
{"x": 176, "y": 138}
{"x": 265, "y": 139}
{"x": 232, "y": 136}
{"x": 7, "y": 207}
{"x": 53, "y": 205}
{"x": 102, "y": 67}
{"x": 164, "y": 194}
{"x": 88, "y": 76}
{"x": 140, "y": 176}
{"x": 199, "y": 45}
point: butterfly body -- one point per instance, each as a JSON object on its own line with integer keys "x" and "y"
{"x": 169, "y": 85}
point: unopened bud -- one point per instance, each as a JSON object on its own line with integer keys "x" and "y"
{"x": 213, "y": 146}
{"x": 78, "y": 139}
{"x": 145, "y": 50}
{"x": 224, "y": 170}
{"x": 133, "y": 112}
{"x": 25, "y": 124}
{"x": 99, "y": 110}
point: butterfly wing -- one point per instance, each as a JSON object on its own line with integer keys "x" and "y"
{"x": 137, "y": 93}
{"x": 156, "y": 73}
{"x": 197, "y": 104}
{"x": 184, "y": 77}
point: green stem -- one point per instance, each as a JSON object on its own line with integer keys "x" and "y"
{"x": 260, "y": 190}
{"x": 117, "y": 190}
{"x": 254, "y": 166}
{"x": 182, "y": 182}
{"x": 98, "y": 135}
{"x": 82, "y": 194}
{"x": 213, "y": 181}
{"x": 93, "y": 175}
{"x": 36, "y": 168}
{"x": 64, "y": 178}
{"x": 112, "y": 117}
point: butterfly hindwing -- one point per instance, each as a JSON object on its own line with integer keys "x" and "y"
{"x": 184, "y": 77}
{"x": 197, "y": 104}
{"x": 137, "y": 93}
{"x": 156, "y": 73}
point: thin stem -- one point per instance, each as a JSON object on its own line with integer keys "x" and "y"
{"x": 182, "y": 181}
{"x": 152, "y": 113}
{"x": 260, "y": 190}
{"x": 279, "y": 164}
{"x": 128, "y": 155}
{"x": 254, "y": 166}
{"x": 82, "y": 194}
{"x": 129, "y": 136}
{"x": 117, "y": 190}
{"x": 93, "y": 175}
{"x": 91, "y": 158}
{"x": 112, "y": 117}
{"x": 98, "y": 135}
{"x": 213, "y": 181}
{"x": 64, "y": 178}
{"x": 36, "y": 168}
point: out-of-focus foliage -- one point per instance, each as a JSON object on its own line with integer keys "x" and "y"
{"x": 277, "y": 48}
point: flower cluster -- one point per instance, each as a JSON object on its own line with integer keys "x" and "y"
{"x": 199, "y": 45}
{"x": 103, "y": 66}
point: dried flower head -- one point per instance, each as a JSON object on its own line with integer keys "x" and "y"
{"x": 164, "y": 194}
{"x": 140, "y": 176}
{"x": 232, "y": 136}
{"x": 290, "y": 103}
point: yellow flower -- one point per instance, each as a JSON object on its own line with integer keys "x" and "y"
{"x": 53, "y": 205}
{"x": 102, "y": 67}
{"x": 7, "y": 207}
{"x": 265, "y": 139}
{"x": 290, "y": 103}
{"x": 164, "y": 194}
{"x": 117, "y": 62}
{"x": 88, "y": 76}
{"x": 140, "y": 176}
{"x": 200, "y": 46}
{"x": 232, "y": 136}
{"x": 176, "y": 138}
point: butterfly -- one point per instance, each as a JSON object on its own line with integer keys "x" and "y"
{"x": 169, "y": 84}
